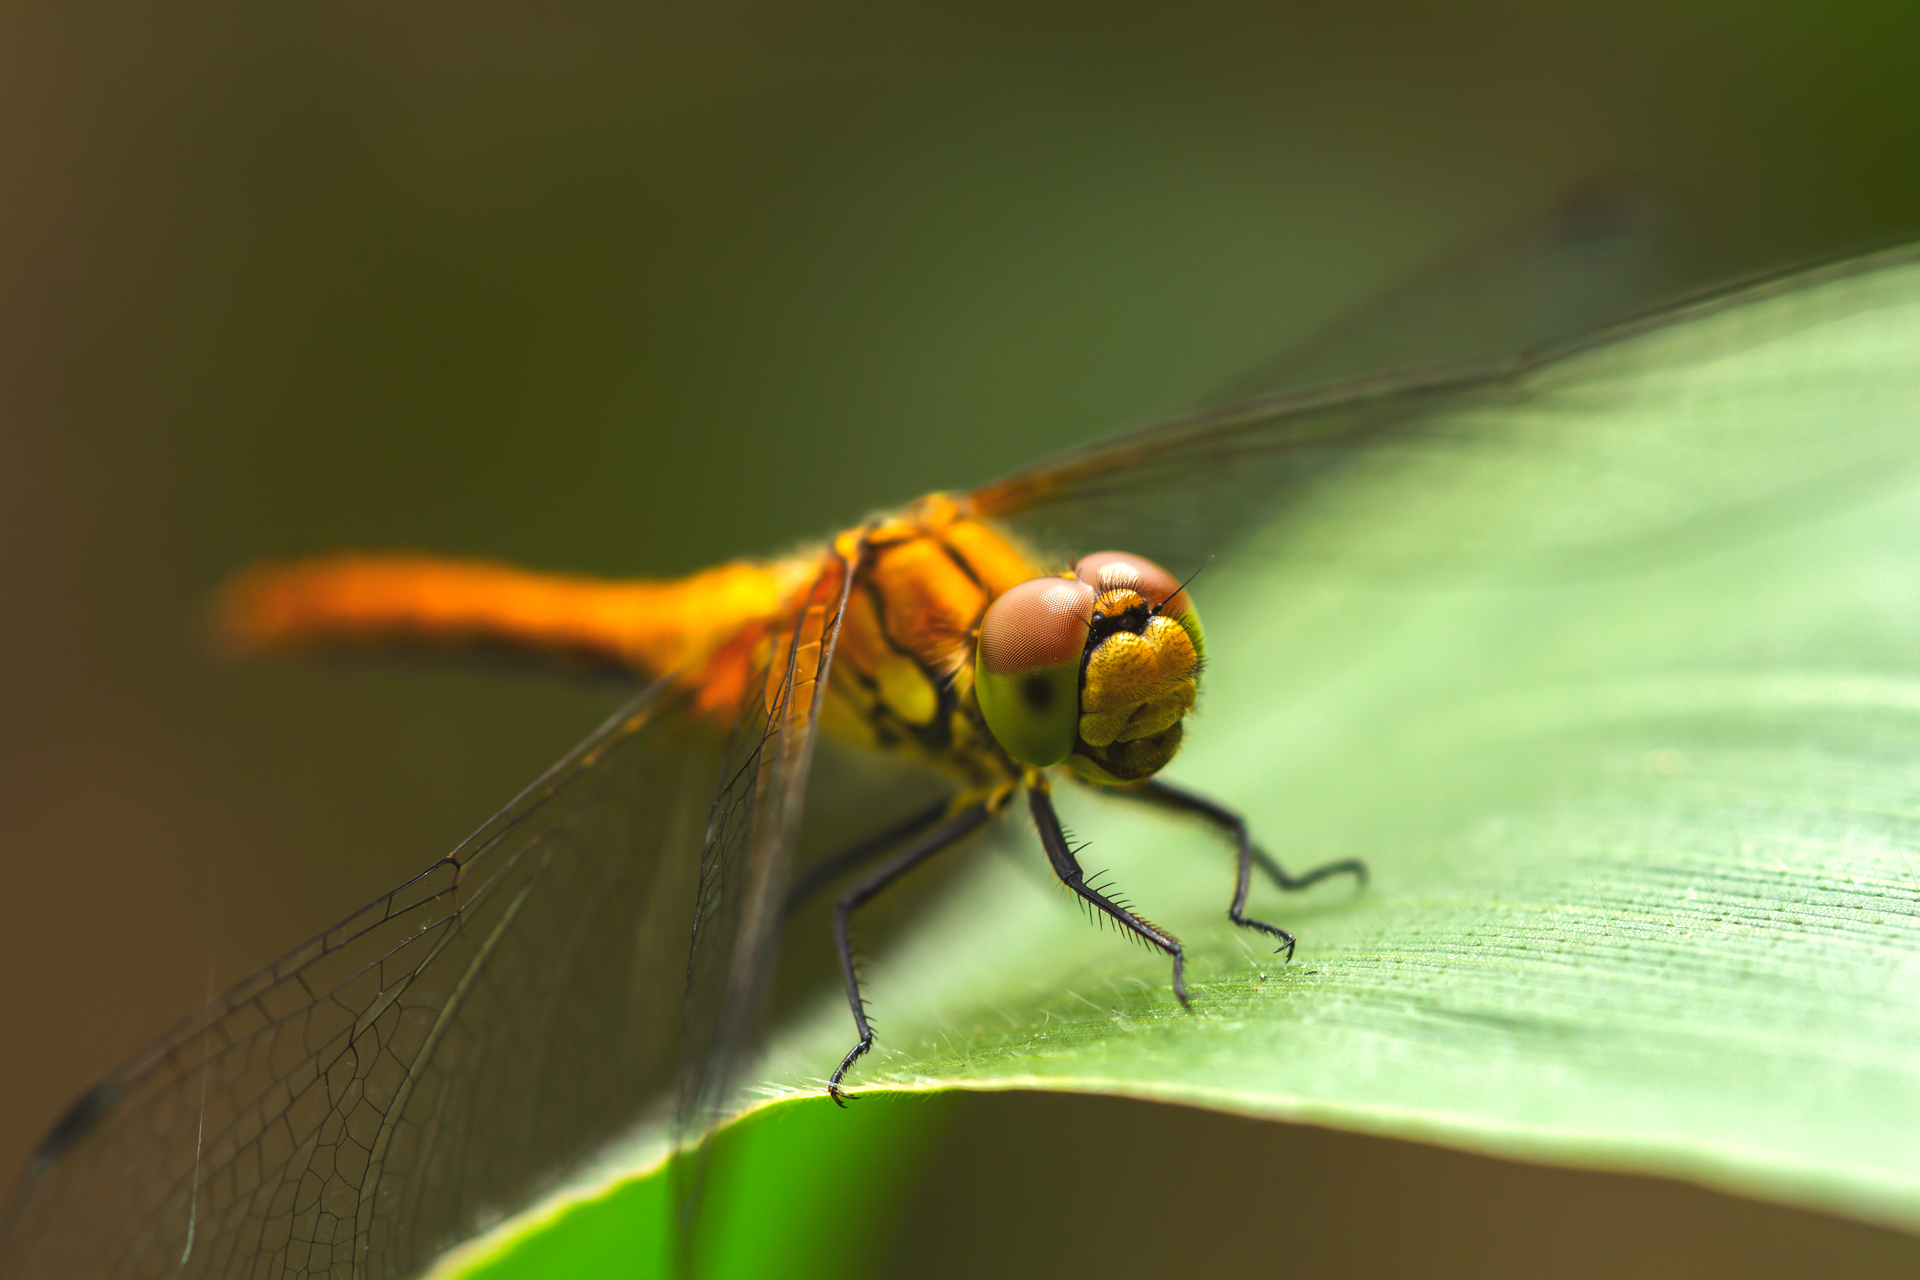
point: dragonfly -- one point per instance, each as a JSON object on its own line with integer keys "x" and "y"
{"x": 598, "y": 954}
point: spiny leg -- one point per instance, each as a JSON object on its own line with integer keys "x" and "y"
{"x": 1054, "y": 839}
{"x": 810, "y": 881}
{"x": 930, "y": 843}
{"x": 1180, "y": 800}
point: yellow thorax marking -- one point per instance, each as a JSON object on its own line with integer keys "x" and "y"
{"x": 925, "y": 577}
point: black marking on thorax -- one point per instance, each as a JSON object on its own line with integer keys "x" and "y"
{"x": 961, "y": 563}
{"x": 936, "y": 736}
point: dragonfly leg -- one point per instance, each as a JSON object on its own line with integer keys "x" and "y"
{"x": 1053, "y": 838}
{"x": 823, "y": 872}
{"x": 1180, "y": 800}
{"x": 930, "y": 843}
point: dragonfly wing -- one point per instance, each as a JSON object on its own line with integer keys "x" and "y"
{"x": 1183, "y": 492}
{"x": 745, "y": 864}
{"x": 1451, "y": 331}
{"x": 1244, "y": 477}
{"x": 1603, "y": 254}
{"x": 422, "y": 1069}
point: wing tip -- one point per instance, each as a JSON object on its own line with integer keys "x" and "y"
{"x": 82, "y": 1117}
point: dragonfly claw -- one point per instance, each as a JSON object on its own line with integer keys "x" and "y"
{"x": 840, "y": 1096}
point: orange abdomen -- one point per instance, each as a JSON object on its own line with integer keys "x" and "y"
{"x": 647, "y": 626}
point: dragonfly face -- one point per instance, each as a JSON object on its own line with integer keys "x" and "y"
{"x": 1095, "y": 669}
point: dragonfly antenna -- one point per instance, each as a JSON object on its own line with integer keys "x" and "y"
{"x": 1183, "y": 586}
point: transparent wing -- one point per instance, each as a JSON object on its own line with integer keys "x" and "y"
{"x": 424, "y": 1068}
{"x": 1205, "y": 485}
{"x": 1476, "y": 315}
{"x": 1187, "y": 490}
{"x": 744, "y": 869}
{"x": 1603, "y": 254}
{"x": 746, "y": 861}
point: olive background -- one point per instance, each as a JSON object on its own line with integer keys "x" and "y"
{"x": 630, "y": 289}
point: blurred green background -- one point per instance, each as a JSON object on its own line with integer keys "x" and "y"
{"x": 629, "y": 291}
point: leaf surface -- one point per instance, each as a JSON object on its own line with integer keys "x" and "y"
{"x": 1642, "y": 821}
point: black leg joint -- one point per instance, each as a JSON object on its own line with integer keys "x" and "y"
{"x": 929, "y": 843}
{"x": 1179, "y": 800}
{"x": 827, "y": 870}
{"x": 1066, "y": 865}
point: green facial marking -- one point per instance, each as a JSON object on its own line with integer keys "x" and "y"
{"x": 1035, "y": 715}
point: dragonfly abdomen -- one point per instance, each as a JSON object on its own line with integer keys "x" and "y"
{"x": 386, "y": 601}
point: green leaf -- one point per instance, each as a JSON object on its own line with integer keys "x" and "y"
{"x": 780, "y": 1181}
{"x": 1612, "y": 673}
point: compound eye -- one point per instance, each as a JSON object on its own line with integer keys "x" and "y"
{"x": 1117, "y": 570}
{"x": 1037, "y": 624}
{"x": 1027, "y": 667}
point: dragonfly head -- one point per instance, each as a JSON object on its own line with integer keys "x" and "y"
{"x": 1095, "y": 669}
